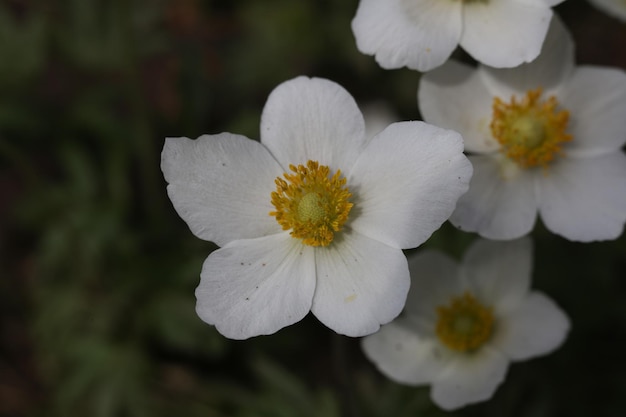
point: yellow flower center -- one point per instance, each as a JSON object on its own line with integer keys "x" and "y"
{"x": 530, "y": 131}
{"x": 312, "y": 203}
{"x": 464, "y": 324}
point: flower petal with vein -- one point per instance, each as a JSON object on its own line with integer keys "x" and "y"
{"x": 313, "y": 217}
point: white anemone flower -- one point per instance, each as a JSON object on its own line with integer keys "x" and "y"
{"x": 546, "y": 138}
{"x": 463, "y": 324}
{"x": 422, "y": 34}
{"x": 315, "y": 216}
{"x": 615, "y": 8}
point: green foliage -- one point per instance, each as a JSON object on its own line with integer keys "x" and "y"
{"x": 283, "y": 394}
{"x": 23, "y": 48}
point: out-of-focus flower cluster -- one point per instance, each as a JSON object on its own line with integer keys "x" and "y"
{"x": 315, "y": 216}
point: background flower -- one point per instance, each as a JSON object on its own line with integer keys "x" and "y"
{"x": 399, "y": 187}
{"x": 422, "y": 34}
{"x": 545, "y": 137}
{"x": 463, "y": 324}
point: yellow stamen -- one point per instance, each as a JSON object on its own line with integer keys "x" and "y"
{"x": 530, "y": 131}
{"x": 311, "y": 203}
{"x": 465, "y": 324}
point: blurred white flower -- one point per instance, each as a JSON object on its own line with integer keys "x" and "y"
{"x": 464, "y": 323}
{"x": 422, "y": 34}
{"x": 315, "y": 217}
{"x": 615, "y": 8}
{"x": 546, "y": 137}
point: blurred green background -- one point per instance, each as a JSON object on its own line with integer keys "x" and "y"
{"x": 98, "y": 271}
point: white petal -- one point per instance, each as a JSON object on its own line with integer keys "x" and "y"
{"x": 221, "y": 185}
{"x": 256, "y": 286}
{"x": 312, "y": 119}
{"x": 419, "y": 34}
{"x": 469, "y": 379}
{"x": 361, "y": 284}
{"x": 404, "y": 357}
{"x": 434, "y": 282}
{"x": 585, "y": 199}
{"x": 551, "y": 68}
{"x": 499, "y": 272}
{"x": 504, "y": 33}
{"x": 536, "y": 328}
{"x": 596, "y": 101}
{"x": 501, "y": 202}
{"x": 406, "y": 183}
{"x": 454, "y": 96}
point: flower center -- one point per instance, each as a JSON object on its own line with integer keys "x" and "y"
{"x": 530, "y": 131}
{"x": 312, "y": 203}
{"x": 464, "y": 324}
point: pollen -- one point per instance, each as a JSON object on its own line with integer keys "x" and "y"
{"x": 464, "y": 324}
{"x": 531, "y": 131}
{"x": 311, "y": 202}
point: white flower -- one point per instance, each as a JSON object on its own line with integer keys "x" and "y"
{"x": 615, "y": 8}
{"x": 315, "y": 217}
{"x": 546, "y": 137}
{"x": 422, "y": 34}
{"x": 463, "y": 324}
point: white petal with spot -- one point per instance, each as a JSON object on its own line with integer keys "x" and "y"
{"x": 257, "y": 286}
{"x": 361, "y": 284}
{"x": 221, "y": 186}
